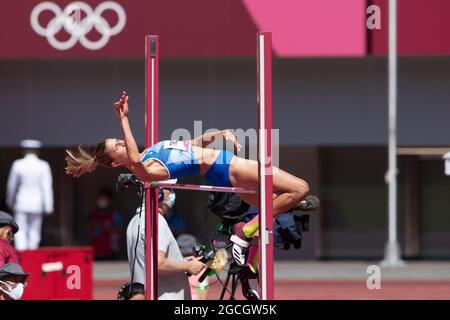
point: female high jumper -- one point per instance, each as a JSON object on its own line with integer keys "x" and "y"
{"x": 175, "y": 159}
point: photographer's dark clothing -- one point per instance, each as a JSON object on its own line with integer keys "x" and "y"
{"x": 287, "y": 227}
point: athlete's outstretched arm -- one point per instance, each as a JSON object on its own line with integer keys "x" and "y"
{"x": 121, "y": 109}
{"x": 144, "y": 172}
{"x": 206, "y": 139}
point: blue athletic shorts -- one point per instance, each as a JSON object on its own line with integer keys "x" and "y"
{"x": 219, "y": 173}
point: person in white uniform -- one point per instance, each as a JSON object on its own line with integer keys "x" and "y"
{"x": 30, "y": 194}
{"x": 446, "y": 158}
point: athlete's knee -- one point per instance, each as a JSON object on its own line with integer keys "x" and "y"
{"x": 301, "y": 190}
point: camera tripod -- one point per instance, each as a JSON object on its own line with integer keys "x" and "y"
{"x": 235, "y": 274}
{"x": 240, "y": 274}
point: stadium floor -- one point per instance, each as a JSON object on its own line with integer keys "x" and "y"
{"x": 319, "y": 280}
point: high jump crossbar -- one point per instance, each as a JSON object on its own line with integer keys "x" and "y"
{"x": 265, "y": 188}
{"x": 201, "y": 187}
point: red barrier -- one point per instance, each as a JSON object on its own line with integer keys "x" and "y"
{"x": 58, "y": 273}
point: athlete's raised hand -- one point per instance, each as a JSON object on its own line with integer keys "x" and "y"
{"x": 121, "y": 106}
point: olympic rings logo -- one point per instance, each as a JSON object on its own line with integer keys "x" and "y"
{"x": 77, "y": 28}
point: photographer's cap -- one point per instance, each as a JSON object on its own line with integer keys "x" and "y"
{"x": 186, "y": 242}
{"x": 7, "y": 219}
{"x": 31, "y": 144}
{"x": 13, "y": 269}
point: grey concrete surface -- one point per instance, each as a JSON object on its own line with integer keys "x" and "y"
{"x": 315, "y": 270}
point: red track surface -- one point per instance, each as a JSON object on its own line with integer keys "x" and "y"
{"x": 324, "y": 290}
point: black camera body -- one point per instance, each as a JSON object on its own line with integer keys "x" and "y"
{"x": 125, "y": 180}
{"x": 199, "y": 250}
{"x": 303, "y": 221}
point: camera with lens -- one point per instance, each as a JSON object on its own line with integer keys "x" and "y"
{"x": 200, "y": 250}
{"x": 125, "y": 180}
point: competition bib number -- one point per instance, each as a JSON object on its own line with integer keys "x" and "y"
{"x": 174, "y": 144}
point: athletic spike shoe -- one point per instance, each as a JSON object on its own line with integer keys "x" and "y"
{"x": 240, "y": 246}
{"x": 239, "y": 249}
{"x": 310, "y": 203}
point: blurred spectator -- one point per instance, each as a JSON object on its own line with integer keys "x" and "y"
{"x": 12, "y": 281}
{"x": 30, "y": 194}
{"x": 175, "y": 222}
{"x": 8, "y": 227}
{"x": 105, "y": 225}
{"x": 199, "y": 290}
{"x": 446, "y": 158}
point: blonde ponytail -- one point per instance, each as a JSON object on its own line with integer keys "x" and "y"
{"x": 80, "y": 162}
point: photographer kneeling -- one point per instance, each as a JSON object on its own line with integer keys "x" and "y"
{"x": 172, "y": 267}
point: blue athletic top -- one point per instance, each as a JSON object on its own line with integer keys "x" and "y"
{"x": 179, "y": 160}
{"x": 176, "y": 156}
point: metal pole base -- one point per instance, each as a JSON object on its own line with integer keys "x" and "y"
{"x": 392, "y": 256}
